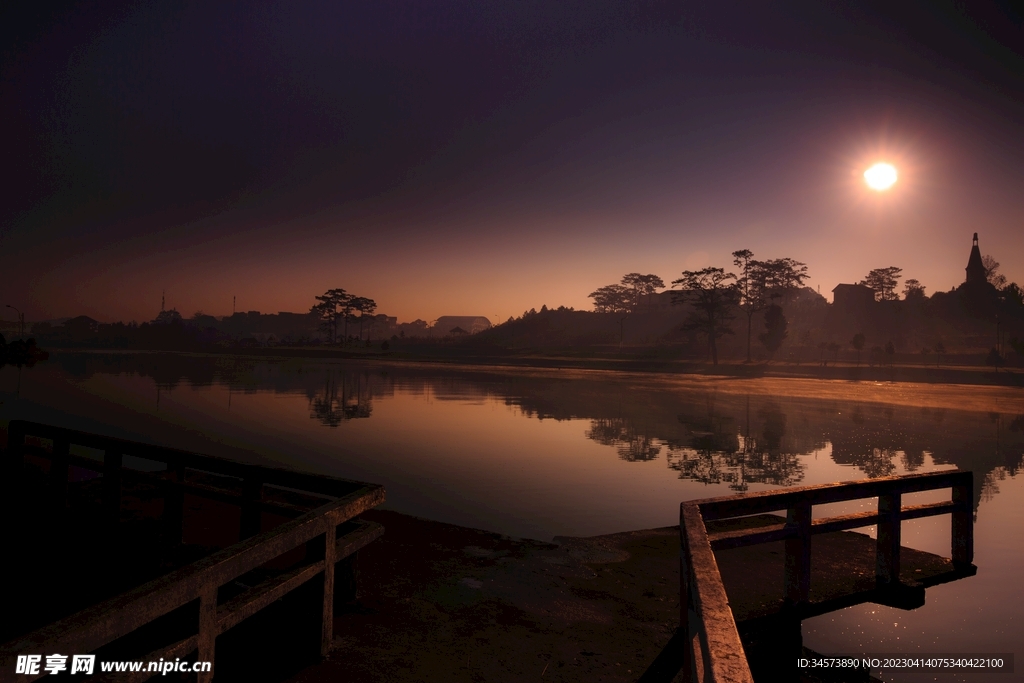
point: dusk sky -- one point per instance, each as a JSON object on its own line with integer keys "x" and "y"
{"x": 483, "y": 158}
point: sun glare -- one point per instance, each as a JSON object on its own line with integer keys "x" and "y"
{"x": 880, "y": 177}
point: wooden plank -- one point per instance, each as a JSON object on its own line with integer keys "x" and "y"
{"x": 725, "y": 662}
{"x": 327, "y": 618}
{"x": 111, "y": 619}
{"x": 248, "y": 603}
{"x": 202, "y": 490}
{"x": 927, "y": 510}
{"x": 770, "y": 501}
{"x": 331, "y": 486}
{"x": 206, "y": 643}
{"x": 725, "y": 540}
{"x": 259, "y": 596}
{"x": 169, "y": 653}
{"x": 357, "y": 539}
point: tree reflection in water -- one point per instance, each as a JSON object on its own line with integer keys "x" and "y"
{"x": 706, "y": 434}
{"x": 719, "y": 452}
{"x": 633, "y": 445}
{"x": 343, "y": 398}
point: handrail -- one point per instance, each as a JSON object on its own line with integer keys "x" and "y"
{"x": 107, "y": 621}
{"x": 705, "y": 615}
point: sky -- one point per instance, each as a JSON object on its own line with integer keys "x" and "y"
{"x": 485, "y": 158}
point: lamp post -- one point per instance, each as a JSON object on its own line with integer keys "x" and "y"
{"x": 21, "y": 319}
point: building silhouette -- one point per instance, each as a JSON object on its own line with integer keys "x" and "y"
{"x": 856, "y": 297}
{"x": 975, "y": 268}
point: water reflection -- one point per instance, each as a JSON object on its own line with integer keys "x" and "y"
{"x": 632, "y": 443}
{"x": 720, "y": 452}
{"x": 344, "y": 397}
{"x": 708, "y": 433}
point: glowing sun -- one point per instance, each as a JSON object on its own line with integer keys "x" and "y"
{"x": 880, "y": 177}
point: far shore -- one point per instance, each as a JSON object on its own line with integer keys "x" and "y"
{"x": 919, "y": 373}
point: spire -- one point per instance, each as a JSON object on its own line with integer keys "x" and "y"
{"x": 975, "y": 268}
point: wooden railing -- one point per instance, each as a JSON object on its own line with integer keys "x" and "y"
{"x": 705, "y": 615}
{"x": 317, "y": 529}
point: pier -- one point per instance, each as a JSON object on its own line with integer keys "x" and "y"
{"x": 216, "y": 544}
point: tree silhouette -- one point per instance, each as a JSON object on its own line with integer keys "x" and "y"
{"x": 334, "y": 305}
{"x": 992, "y": 274}
{"x": 884, "y": 282}
{"x": 783, "y": 276}
{"x": 834, "y": 349}
{"x": 858, "y": 343}
{"x": 612, "y": 299}
{"x": 365, "y": 308}
{"x": 775, "y": 333}
{"x": 169, "y": 317}
{"x": 642, "y": 286}
{"x": 751, "y": 287}
{"x": 627, "y": 295}
{"x": 712, "y": 293}
{"x": 913, "y": 290}
{"x": 761, "y": 282}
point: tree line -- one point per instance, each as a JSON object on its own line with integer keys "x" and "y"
{"x": 714, "y": 294}
{"x": 337, "y": 307}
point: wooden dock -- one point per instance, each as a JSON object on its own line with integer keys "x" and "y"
{"x": 445, "y": 603}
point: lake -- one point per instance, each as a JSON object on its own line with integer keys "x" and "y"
{"x": 539, "y": 453}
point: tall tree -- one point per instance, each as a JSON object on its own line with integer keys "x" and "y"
{"x": 612, "y": 299}
{"x": 333, "y": 305}
{"x": 992, "y": 274}
{"x": 751, "y": 288}
{"x": 858, "y": 343}
{"x": 884, "y": 282}
{"x": 642, "y": 286}
{"x": 713, "y": 293}
{"x": 783, "y": 276}
{"x": 762, "y": 282}
{"x": 913, "y": 290}
{"x": 775, "y": 333}
{"x": 365, "y": 308}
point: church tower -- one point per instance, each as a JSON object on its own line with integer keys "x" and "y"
{"x": 975, "y": 268}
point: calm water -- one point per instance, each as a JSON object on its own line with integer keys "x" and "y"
{"x": 544, "y": 453}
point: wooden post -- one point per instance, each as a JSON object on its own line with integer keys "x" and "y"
{"x": 963, "y": 523}
{"x": 207, "y": 629}
{"x": 252, "y": 516}
{"x": 59, "y": 472}
{"x": 798, "y": 554}
{"x": 112, "y": 462}
{"x": 686, "y": 634}
{"x": 887, "y": 564}
{"x": 330, "y": 556}
{"x": 687, "y": 630}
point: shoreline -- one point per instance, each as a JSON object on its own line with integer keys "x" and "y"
{"x": 906, "y": 373}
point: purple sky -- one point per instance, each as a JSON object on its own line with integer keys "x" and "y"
{"x": 479, "y": 158}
